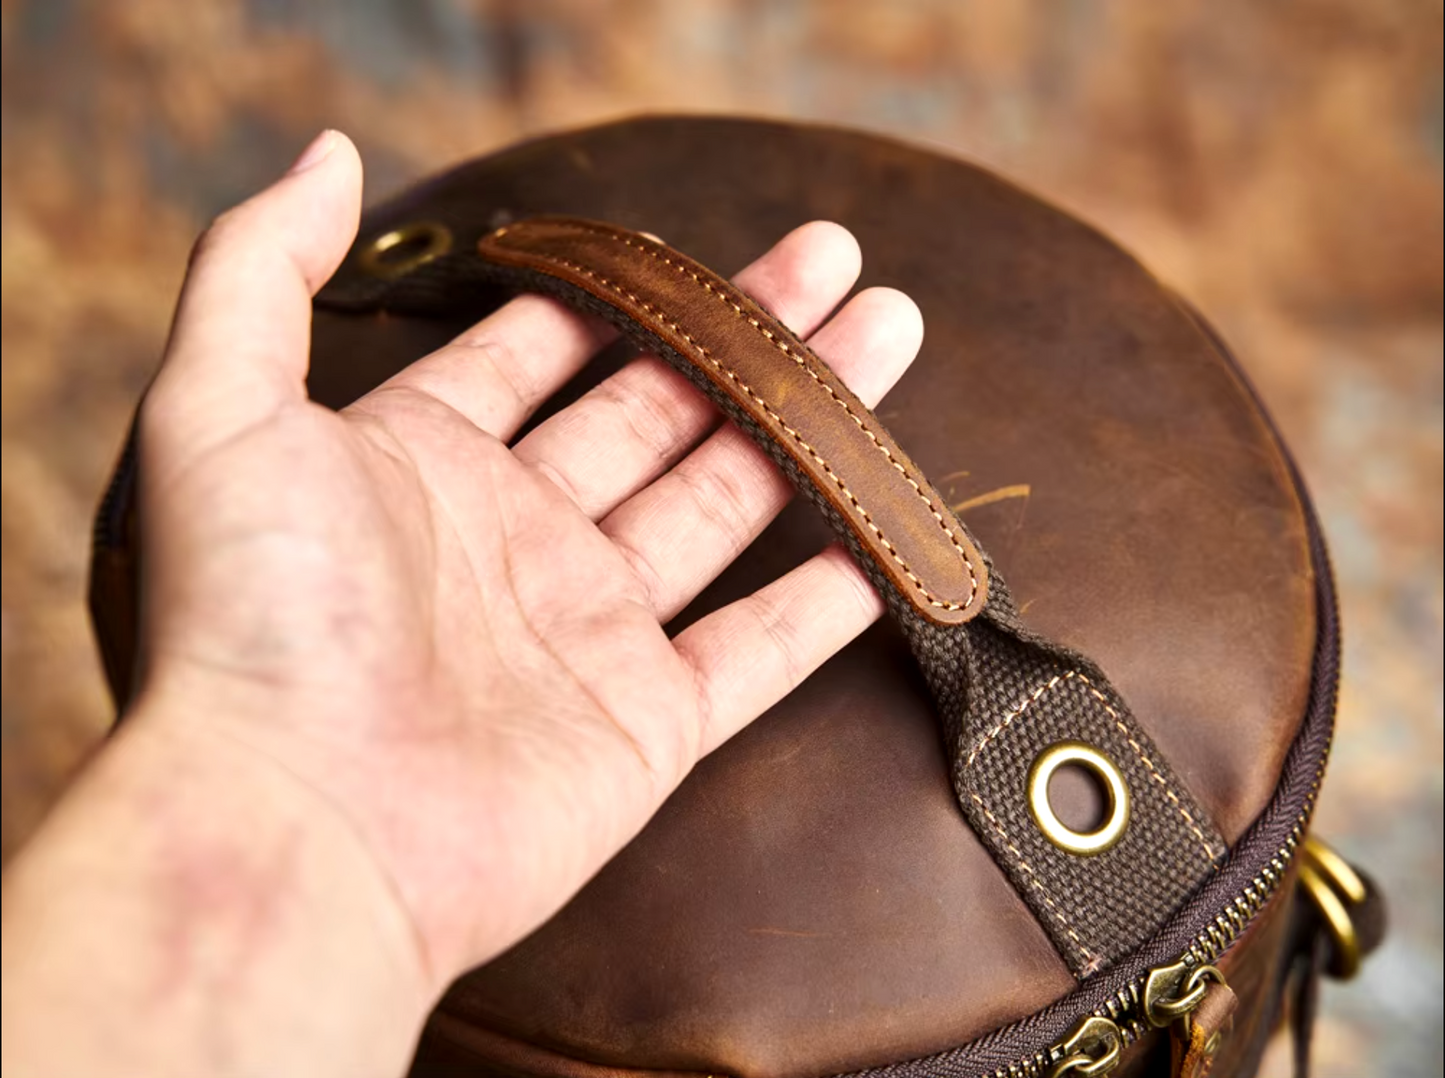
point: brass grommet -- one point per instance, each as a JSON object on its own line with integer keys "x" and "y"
{"x": 404, "y": 249}
{"x": 1117, "y": 791}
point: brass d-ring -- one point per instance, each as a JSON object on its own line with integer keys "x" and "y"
{"x": 1335, "y": 914}
{"x": 1116, "y": 790}
{"x": 404, "y": 249}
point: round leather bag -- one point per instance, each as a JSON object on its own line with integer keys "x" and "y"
{"x": 857, "y": 882}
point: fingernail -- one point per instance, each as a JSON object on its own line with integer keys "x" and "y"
{"x": 319, "y": 150}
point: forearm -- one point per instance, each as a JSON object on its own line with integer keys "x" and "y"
{"x": 186, "y": 911}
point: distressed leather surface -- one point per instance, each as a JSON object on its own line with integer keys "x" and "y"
{"x": 811, "y": 900}
{"x": 1257, "y": 967}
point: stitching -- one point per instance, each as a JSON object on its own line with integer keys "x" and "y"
{"x": 1015, "y": 713}
{"x": 1154, "y": 773}
{"x": 1089, "y": 956}
{"x": 796, "y": 435}
{"x": 1119, "y": 724}
{"x": 801, "y": 360}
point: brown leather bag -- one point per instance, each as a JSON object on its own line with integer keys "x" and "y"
{"x": 1054, "y": 826}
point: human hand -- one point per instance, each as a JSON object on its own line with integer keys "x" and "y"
{"x": 444, "y": 651}
{"x": 459, "y": 644}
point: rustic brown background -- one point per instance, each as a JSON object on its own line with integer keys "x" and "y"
{"x": 1280, "y": 163}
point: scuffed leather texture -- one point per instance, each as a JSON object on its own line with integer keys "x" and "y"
{"x": 811, "y": 900}
{"x": 758, "y": 366}
{"x": 1259, "y": 968}
{"x": 1197, "y": 1042}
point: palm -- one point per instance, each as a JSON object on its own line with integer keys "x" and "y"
{"x": 454, "y": 615}
{"x": 478, "y": 629}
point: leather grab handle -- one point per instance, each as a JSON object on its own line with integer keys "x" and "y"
{"x": 777, "y": 390}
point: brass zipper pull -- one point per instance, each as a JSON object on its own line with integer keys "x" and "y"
{"x": 1171, "y": 993}
{"x": 1195, "y": 1040}
{"x": 1197, "y": 1005}
{"x": 1092, "y": 1048}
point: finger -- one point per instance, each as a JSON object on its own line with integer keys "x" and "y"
{"x": 684, "y": 529}
{"x": 633, "y": 426}
{"x": 750, "y": 654}
{"x": 501, "y": 370}
{"x": 240, "y": 342}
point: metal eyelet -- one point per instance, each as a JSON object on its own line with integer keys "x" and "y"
{"x": 403, "y": 249}
{"x": 1115, "y": 788}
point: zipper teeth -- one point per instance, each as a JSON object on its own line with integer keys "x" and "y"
{"x": 1228, "y": 925}
{"x": 1027, "y": 1068}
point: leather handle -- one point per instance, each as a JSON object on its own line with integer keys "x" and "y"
{"x": 772, "y": 384}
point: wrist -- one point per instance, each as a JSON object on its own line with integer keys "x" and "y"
{"x": 193, "y": 898}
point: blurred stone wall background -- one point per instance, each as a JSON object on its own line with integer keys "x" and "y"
{"x": 1279, "y": 163}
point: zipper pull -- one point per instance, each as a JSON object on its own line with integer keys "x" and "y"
{"x": 1092, "y": 1048}
{"x": 1197, "y": 1005}
{"x": 1195, "y": 1040}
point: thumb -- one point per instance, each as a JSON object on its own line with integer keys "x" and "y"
{"x": 241, "y": 337}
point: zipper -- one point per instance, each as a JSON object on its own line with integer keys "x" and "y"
{"x": 1095, "y": 1042}
{"x": 1114, "y": 1017}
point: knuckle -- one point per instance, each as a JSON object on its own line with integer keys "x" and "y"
{"x": 215, "y": 236}
{"x": 782, "y": 633}
{"x": 557, "y": 478}
{"x": 644, "y": 573}
{"x": 501, "y": 359}
{"x": 649, "y": 412}
{"x": 722, "y": 497}
{"x": 860, "y": 589}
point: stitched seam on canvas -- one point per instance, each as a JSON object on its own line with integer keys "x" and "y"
{"x": 1089, "y": 956}
{"x": 796, "y": 435}
{"x": 1034, "y": 696}
{"x": 1008, "y": 719}
{"x": 1153, "y": 772}
{"x": 801, "y": 361}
